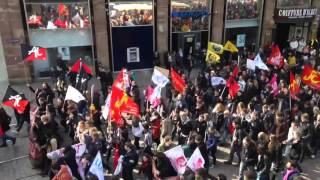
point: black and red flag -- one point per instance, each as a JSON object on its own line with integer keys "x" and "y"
{"x": 83, "y": 72}
{"x": 15, "y": 100}
{"x": 31, "y": 53}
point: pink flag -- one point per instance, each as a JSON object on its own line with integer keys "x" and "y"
{"x": 274, "y": 85}
{"x": 196, "y": 161}
{"x": 153, "y": 95}
{"x": 177, "y": 159}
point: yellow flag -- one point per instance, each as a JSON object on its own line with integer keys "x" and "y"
{"x": 217, "y": 48}
{"x": 212, "y": 57}
{"x": 229, "y": 46}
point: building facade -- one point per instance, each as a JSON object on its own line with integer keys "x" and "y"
{"x": 120, "y": 33}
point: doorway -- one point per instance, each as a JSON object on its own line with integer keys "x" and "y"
{"x": 282, "y": 35}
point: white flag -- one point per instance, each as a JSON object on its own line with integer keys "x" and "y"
{"x": 74, "y": 95}
{"x": 80, "y": 149}
{"x": 96, "y": 167}
{"x": 217, "y": 81}
{"x": 259, "y": 63}
{"x": 177, "y": 159}
{"x": 159, "y": 79}
{"x": 196, "y": 161}
{"x": 251, "y": 64}
{"x": 105, "y": 111}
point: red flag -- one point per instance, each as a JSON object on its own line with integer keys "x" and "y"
{"x": 76, "y": 67}
{"x": 116, "y": 156}
{"x": 35, "y": 20}
{"x": 275, "y": 57}
{"x": 294, "y": 87}
{"x": 311, "y": 77}
{"x": 233, "y": 86}
{"x": 274, "y": 85}
{"x": 15, "y": 100}
{"x": 63, "y": 10}
{"x": 123, "y": 81}
{"x": 31, "y": 53}
{"x": 120, "y": 102}
{"x": 177, "y": 81}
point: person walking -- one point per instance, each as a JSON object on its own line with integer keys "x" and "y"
{"x": 5, "y": 120}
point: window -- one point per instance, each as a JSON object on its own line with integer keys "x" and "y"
{"x": 190, "y": 15}
{"x": 57, "y": 15}
{"x": 133, "y": 55}
{"x": 293, "y": 3}
{"x": 131, "y": 13}
{"x": 243, "y": 9}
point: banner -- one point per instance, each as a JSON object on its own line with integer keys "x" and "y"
{"x": 196, "y": 160}
{"x": 217, "y": 48}
{"x": 96, "y": 167}
{"x": 215, "y": 81}
{"x": 80, "y": 149}
{"x": 310, "y": 77}
{"x": 251, "y": 65}
{"x": 212, "y": 57}
{"x": 259, "y": 63}
{"x": 15, "y": 100}
{"x": 177, "y": 159}
{"x": 177, "y": 81}
{"x": 159, "y": 78}
{"x": 74, "y": 95}
{"x": 32, "y": 53}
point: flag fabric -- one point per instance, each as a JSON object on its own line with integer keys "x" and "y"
{"x": 32, "y": 53}
{"x": 275, "y": 57}
{"x": 78, "y": 65}
{"x": 35, "y": 20}
{"x": 177, "y": 81}
{"x": 118, "y": 168}
{"x": 212, "y": 57}
{"x": 251, "y": 65}
{"x": 229, "y": 46}
{"x": 214, "y": 47}
{"x": 259, "y": 63}
{"x": 116, "y": 156}
{"x": 274, "y": 85}
{"x": 80, "y": 150}
{"x": 96, "y": 167}
{"x": 123, "y": 81}
{"x": 62, "y": 10}
{"x": 120, "y": 102}
{"x": 159, "y": 78}
{"x": 177, "y": 159}
{"x": 63, "y": 174}
{"x": 74, "y": 95}
{"x": 155, "y": 97}
{"x": 310, "y": 77}
{"x": 106, "y": 108}
{"x": 196, "y": 160}
{"x": 15, "y": 100}
{"x": 215, "y": 81}
{"x": 294, "y": 87}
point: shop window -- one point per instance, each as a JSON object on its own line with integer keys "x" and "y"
{"x": 137, "y": 13}
{"x": 190, "y": 15}
{"x": 58, "y": 14}
{"x": 243, "y": 9}
{"x": 293, "y": 3}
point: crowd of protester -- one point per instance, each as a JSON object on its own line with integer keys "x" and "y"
{"x": 55, "y": 16}
{"x": 268, "y": 136}
{"x": 131, "y": 17}
{"x": 240, "y": 9}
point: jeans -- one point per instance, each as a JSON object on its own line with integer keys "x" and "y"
{"x": 6, "y": 137}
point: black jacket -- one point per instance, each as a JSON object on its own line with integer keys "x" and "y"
{"x": 307, "y": 130}
{"x": 4, "y": 120}
{"x": 249, "y": 156}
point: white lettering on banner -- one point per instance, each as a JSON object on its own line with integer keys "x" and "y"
{"x": 35, "y": 50}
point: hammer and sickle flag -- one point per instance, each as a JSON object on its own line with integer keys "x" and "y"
{"x": 311, "y": 77}
{"x": 120, "y": 102}
{"x": 15, "y": 100}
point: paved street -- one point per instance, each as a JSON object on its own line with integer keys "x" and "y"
{"x": 15, "y": 165}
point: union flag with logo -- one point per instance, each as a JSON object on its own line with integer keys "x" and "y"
{"x": 120, "y": 102}
{"x": 294, "y": 87}
{"x": 310, "y": 77}
{"x": 32, "y": 53}
{"x": 275, "y": 58}
{"x": 15, "y": 100}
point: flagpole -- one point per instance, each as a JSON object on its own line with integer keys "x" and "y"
{"x": 223, "y": 91}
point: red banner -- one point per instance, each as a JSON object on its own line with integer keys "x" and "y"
{"x": 311, "y": 77}
{"x": 177, "y": 81}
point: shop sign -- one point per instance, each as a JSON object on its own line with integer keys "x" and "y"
{"x": 241, "y": 40}
{"x": 295, "y": 14}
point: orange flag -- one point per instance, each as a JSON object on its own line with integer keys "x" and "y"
{"x": 177, "y": 81}
{"x": 294, "y": 86}
{"x": 311, "y": 77}
{"x": 120, "y": 102}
